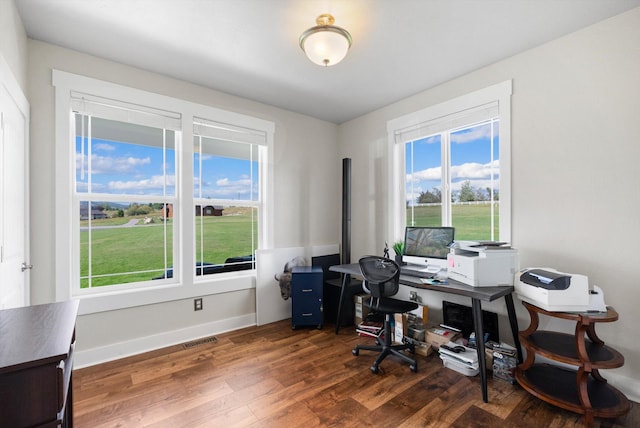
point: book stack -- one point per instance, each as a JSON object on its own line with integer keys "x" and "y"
{"x": 370, "y": 329}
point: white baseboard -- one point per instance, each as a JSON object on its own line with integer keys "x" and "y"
{"x": 115, "y": 351}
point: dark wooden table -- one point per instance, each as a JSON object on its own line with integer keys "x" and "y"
{"x": 477, "y": 295}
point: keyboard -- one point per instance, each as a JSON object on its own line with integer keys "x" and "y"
{"x": 419, "y": 271}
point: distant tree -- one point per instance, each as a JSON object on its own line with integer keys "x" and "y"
{"x": 135, "y": 209}
{"x": 120, "y": 213}
{"x": 481, "y": 194}
{"x": 430, "y": 196}
{"x": 467, "y": 193}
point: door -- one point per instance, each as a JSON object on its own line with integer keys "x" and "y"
{"x": 14, "y": 257}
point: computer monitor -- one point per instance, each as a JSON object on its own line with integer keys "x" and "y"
{"x": 461, "y": 317}
{"x": 427, "y": 246}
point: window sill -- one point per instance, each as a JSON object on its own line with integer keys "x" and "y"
{"x": 222, "y": 283}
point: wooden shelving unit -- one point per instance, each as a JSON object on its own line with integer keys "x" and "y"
{"x": 580, "y": 389}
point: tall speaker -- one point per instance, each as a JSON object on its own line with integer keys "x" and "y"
{"x": 346, "y": 210}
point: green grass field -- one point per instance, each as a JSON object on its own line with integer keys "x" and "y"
{"x": 137, "y": 253}
{"x": 472, "y": 222}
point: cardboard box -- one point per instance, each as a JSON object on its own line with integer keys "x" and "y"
{"x": 361, "y": 311}
{"x": 437, "y": 336}
{"x": 423, "y": 348}
{"x": 400, "y": 327}
{"x": 424, "y": 314}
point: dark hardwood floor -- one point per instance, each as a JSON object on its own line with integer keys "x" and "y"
{"x": 272, "y": 376}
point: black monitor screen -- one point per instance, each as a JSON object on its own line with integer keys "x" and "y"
{"x": 461, "y": 317}
{"x": 428, "y": 242}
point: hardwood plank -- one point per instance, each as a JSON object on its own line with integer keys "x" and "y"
{"x": 474, "y": 416}
{"x": 273, "y": 376}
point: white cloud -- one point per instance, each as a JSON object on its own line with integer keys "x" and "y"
{"x": 155, "y": 182}
{"x": 469, "y": 171}
{"x": 225, "y": 187}
{"x": 478, "y": 184}
{"x": 105, "y": 147}
{"x": 479, "y": 175}
{"x": 111, "y": 165}
{"x": 425, "y": 174}
{"x": 474, "y": 170}
{"x": 476, "y": 133}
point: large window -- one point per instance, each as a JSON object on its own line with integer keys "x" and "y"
{"x": 155, "y": 194}
{"x": 451, "y": 166}
{"x": 124, "y": 175}
{"x": 226, "y": 193}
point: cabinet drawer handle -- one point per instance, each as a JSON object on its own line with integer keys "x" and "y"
{"x": 308, "y": 314}
{"x": 306, "y": 290}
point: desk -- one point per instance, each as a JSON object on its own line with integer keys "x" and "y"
{"x": 477, "y": 295}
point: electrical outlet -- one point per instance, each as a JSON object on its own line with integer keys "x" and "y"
{"x": 413, "y": 296}
{"x": 197, "y": 304}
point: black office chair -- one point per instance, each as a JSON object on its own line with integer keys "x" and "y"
{"x": 381, "y": 280}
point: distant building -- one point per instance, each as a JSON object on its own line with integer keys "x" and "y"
{"x": 167, "y": 211}
{"x": 207, "y": 210}
{"x": 96, "y": 214}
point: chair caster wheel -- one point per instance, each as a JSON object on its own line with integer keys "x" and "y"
{"x": 374, "y": 369}
{"x": 413, "y": 368}
{"x": 355, "y": 352}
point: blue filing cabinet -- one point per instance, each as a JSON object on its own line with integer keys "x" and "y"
{"x": 306, "y": 296}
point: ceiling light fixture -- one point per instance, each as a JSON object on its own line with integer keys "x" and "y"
{"x": 325, "y": 44}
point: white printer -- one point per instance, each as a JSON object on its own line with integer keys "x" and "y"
{"x": 558, "y": 291}
{"x": 482, "y": 264}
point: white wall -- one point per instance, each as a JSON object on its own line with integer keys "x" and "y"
{"x": 13, "y": 42}
{"x": 306, "y": 205}
{"x": 575, "y": 154}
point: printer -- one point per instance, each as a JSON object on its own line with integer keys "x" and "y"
{"x": 558, "y": 291}
{"x": 482, "y": 263}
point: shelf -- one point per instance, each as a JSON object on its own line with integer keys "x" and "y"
{"x": 558, "y": 386}
{"x": 581, "y": 389}
{"x": 562, "y": 347}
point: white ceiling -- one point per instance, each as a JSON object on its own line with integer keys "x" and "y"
{"x": 250, "y": 47}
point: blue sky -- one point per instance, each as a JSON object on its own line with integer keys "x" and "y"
{"x": 470, "y": 160}
{"x": 120, "y": 168}
{"x": 137, "y": 169}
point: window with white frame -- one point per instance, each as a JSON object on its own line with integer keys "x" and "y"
{"x": 124, "y": 175}
{"x": 226, "y": 164}
{"x": 450, "y": 166}
{"x": 142, "y": 209}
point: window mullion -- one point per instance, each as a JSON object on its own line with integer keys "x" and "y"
{"x": 446, "y": 179}
{"x": 492, "y": 181}
{"x": 89, "y": 205}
